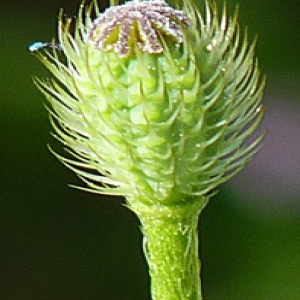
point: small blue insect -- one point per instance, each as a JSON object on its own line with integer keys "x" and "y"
{"x": 40, "y": 45}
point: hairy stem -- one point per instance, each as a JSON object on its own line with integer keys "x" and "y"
{"x": 171, "y": 250}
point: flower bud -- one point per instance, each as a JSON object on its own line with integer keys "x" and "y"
{"x": 153, "y": 102}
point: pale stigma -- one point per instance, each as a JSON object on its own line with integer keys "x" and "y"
{"x": 142, "y": 23}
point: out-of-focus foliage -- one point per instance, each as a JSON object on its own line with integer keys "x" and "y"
{"x": 57, "y": 243}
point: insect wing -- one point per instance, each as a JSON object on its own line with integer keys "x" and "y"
{"x": 36, "y": 46}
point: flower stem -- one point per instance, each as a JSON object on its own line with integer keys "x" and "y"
{"x": 171, "y": 250}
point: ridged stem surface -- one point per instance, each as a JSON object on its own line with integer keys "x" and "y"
{"x": 171, "y": 250}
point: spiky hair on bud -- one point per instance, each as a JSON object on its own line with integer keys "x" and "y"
{"x": 168, "y": 122}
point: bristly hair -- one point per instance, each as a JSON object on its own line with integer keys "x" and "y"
{"x": 162, "y": 126}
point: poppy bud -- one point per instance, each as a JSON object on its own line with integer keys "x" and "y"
{"x": 155, "y": 104}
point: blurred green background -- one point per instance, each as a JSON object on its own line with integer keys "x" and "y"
{"x": 60, "y": 243}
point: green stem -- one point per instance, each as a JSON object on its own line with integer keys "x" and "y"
{"x": 171, "y": 250}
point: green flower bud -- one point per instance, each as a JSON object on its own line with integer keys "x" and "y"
{"x": 155, "y": 104}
